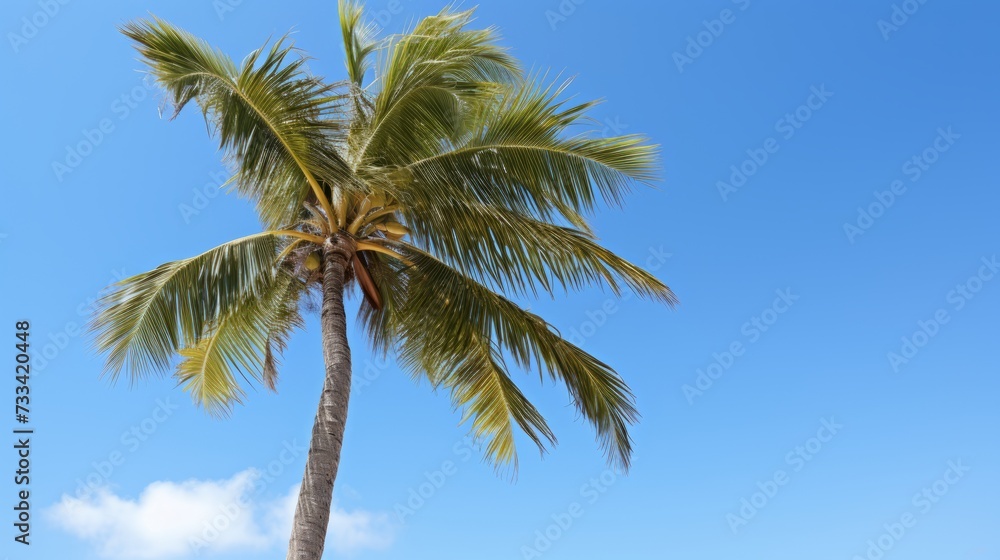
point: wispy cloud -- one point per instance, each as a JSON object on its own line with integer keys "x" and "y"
{"x": 201, "y": 518}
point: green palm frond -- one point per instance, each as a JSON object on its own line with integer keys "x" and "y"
{"x": 518, "y": 253}
{"x": 281, "y": 319}
{"x": 446, "y": 313}
{"x": 245, "y": 341}
{"x": 519, "y": 156}
{"x": 359, "y": 40}
{"x": 430, "y": 79}
{"x": 480, "y": 385}
{"x": 274, "y": 121}
{"x": 146, "y": 319}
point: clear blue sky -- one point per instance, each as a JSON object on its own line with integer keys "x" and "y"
{"x": 816, "y": 382}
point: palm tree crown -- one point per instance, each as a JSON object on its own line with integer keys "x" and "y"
{"x": 450, "y": 179}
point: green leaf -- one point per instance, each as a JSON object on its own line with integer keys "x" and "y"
{"x": 518, "y": 253}
{"x": 276, "y": 123}
{"x": 447, "y": 313}
{"x": 359, "y": 40}
{"x": 480, "y": 384}
{"x": 517, "y": 155}
{"x": 146, "y": 319}
{"x": 243, "y": 341}
{"x": 430, "y": 80}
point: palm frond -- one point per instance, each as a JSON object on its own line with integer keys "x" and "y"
{"x": 518, "y": 253}
{"x": 518, "y": 156}
{"x": 282, "y": 318}
{"x": 242, "y": 342}
{"x": 481, "y": 386}
{"x": 430, "y": 80}
{"x": 359, "y": 40}
{"x": 446, "y": 313}
{"x": 145, "y": 319}
{"x": 273, "y": 120}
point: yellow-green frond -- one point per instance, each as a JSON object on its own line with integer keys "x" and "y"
{"x": 145, "y": 319}
{"x": 275, "y": 122}
{"x": 243, "y": 342}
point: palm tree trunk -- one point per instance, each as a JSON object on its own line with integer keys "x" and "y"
{"x": 312, "y": 514}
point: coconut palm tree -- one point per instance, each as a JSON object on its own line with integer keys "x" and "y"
{"x": 450, "y": 183}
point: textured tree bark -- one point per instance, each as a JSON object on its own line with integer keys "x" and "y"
{"x": 312, "y": 514}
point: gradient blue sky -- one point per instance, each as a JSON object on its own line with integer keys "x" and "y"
{"x": 825, "y": 357}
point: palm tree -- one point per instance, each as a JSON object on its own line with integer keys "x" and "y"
{"x": 448, "y": 181}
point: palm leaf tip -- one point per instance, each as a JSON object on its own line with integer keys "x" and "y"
{"x": 359, "y": 40}
{"x": 447, "y": 329}
{"x": 493, "y": 403}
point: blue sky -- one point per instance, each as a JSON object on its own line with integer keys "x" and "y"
{"x": 827, "y": 218}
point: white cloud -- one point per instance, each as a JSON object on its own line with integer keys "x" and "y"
{"x": 198, "y": 518}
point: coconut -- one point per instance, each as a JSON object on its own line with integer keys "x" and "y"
{"x": 395, "y": 229}
{"x": 312, "y": 261}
